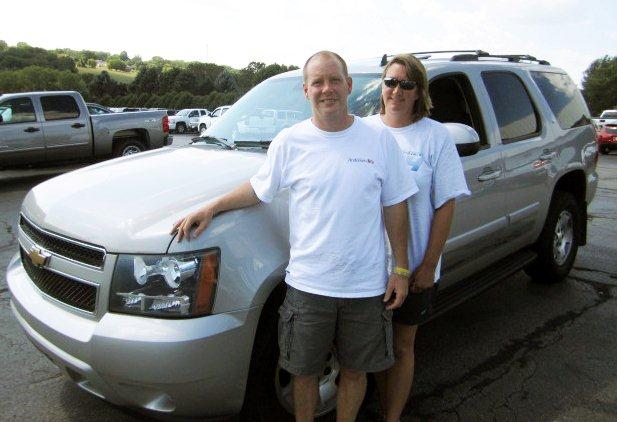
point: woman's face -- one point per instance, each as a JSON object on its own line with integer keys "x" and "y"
{"x": 397, "y": 100}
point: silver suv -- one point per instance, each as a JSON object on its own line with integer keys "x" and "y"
{"x": 189, "y": 329}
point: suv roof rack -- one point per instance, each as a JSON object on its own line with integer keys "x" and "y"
{"x": 471, "y": 55}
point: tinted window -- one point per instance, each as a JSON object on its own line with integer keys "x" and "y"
{"x": 17, "y": 110}
{"x": 516, "y": 116}
{"x": 202, "y": 112}
{"x": 564, "y": 99}
{"x": 194, "y": 113}
{"x": 59, "y": 107}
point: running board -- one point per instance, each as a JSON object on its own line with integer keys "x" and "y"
{"x": 477, "y": 283}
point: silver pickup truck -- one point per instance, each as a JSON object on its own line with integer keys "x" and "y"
{"x": 189, "y": 329}
{"x": 45, "y": 127}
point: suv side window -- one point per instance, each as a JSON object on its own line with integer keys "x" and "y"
{"x": 17, "y": 110}
{"x": 202, "y": 112}
{"x": 59, "y": 107}
{"x": 564, "y": 99}
{"x": 454, "y": 101}
{"x": 194, "y": 113}
{"x": 516, "y": 115}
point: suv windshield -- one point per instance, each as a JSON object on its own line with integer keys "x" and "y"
{"x": 183, "y": 112}
{"x": 279, "y": 103}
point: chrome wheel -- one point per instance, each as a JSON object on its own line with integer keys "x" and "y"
{"x": 564, "y": 235}
{"x": 130, "y": 150}
{"x": 327, "y": 386}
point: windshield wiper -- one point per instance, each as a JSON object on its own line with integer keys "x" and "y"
{"x": 213, "y": 140}
{"x": 253, "y": 144}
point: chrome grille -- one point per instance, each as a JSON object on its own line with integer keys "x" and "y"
{"x": 90, "y": 255}
{"x": 72, "y": 292}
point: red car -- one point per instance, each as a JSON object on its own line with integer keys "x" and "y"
{"x": 607, "y": 138}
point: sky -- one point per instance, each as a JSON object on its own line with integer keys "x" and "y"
{"x": 568, "y": 33}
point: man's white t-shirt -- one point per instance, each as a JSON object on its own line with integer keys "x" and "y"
{"x": 432, "y": 158}
{"x": 338, "y": 182}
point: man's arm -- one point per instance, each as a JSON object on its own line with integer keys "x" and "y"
{"x": 241, "y": 197}
{"x": 396, "y": 221}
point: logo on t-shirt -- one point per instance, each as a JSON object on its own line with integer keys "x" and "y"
{"x": 361, "y": 160}
{"x": 413, "y": 159}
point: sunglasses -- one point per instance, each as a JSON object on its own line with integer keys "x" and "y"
{"x": 393, "y": 83}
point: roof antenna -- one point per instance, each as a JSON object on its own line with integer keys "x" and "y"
{"x": 384, "y": 60}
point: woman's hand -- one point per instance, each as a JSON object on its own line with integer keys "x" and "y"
{"x": 422, "y": 278}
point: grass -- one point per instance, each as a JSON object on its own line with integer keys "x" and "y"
{"x": 124, "y": 77}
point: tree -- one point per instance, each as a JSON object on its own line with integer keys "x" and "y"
{"x": 600, "y": 84}
{"x": 3, "y": 46}
{"x": 147, "y": 80}
{"x": 124, "y": 56}
{"x": 225, "y": 82}
{"x": 116, "y": 64}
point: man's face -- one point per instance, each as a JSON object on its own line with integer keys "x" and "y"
{"x": 327, "y": 88}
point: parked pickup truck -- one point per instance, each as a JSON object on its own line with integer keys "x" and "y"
{"x": 37, "y": 127}
{"x": 189, "y": 329}
{"x": 186, "y": 119}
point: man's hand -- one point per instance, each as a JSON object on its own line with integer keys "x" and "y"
{"x": 200, "y": 218}
{"x": 398, "y": 285}
{"x": 422, "y": 278}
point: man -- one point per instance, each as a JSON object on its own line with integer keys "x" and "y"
{"x": 340, "y": 173}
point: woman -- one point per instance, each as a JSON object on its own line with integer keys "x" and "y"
{"x": 432, "y": 157}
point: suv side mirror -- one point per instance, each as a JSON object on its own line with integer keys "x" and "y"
{"x": 465, "y": 137}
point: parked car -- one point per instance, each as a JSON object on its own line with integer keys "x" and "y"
{"x": 206, "y": 121}
{"x": 268, "y": 122}
{"x": 94, "y": 109}
{"x": 189, "y": 329}
{"x": 45, "y": 127}
{"x": 186, "y": 119}
{"x": 607, "y": 138}
{"x": 608, "y": 117}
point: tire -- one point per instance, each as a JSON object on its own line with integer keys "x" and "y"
{"x": 558, "y": 242}
{"x": 180, "y": 128}
{"x": 202, "y": 129}
{"x": 604, "y": 150}
{"x": 268, "y": 390}
{"x": 128, "y": 147}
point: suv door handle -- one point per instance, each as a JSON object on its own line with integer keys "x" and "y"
{"x": 548, "y": 156}
{"x": 78, "y": 125}
{"x": 32, "y": 129}
{"x": 489, "y": 174}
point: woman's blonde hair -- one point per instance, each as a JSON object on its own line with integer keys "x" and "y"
{"x": 414, "y": 71}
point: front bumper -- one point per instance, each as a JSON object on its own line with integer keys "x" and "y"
{"x": 183, "y": 367}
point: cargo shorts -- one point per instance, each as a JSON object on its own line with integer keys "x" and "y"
{"x": 360, "y": 329}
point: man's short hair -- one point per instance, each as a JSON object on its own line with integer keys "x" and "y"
{"x": 325, "y": 53}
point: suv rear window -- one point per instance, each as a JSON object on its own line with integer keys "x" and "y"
{"x": 516, "y": 115}
{"x": 59, "y": 107}
{"x": 564, "y": 99}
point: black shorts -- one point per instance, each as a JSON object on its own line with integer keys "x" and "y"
{"x": 417, "y": 308}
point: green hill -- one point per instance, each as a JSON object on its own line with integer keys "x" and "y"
{"x": 123, "y": 77}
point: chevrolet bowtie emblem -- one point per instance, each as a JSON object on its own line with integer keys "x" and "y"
{"x": 39, "y": 256}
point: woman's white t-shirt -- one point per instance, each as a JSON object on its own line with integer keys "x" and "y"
{"x": 432, "y": 158}
{"x": 338, "y": 183}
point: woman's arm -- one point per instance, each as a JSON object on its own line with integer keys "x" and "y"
{"x": 423, "y": 276}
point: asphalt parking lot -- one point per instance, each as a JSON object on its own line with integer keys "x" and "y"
{"x": 517, "y": 352}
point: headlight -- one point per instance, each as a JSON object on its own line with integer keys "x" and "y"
{"x": 165, "y": 285}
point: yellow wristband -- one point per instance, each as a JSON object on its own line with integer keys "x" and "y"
{"x": 404, "y": 272}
